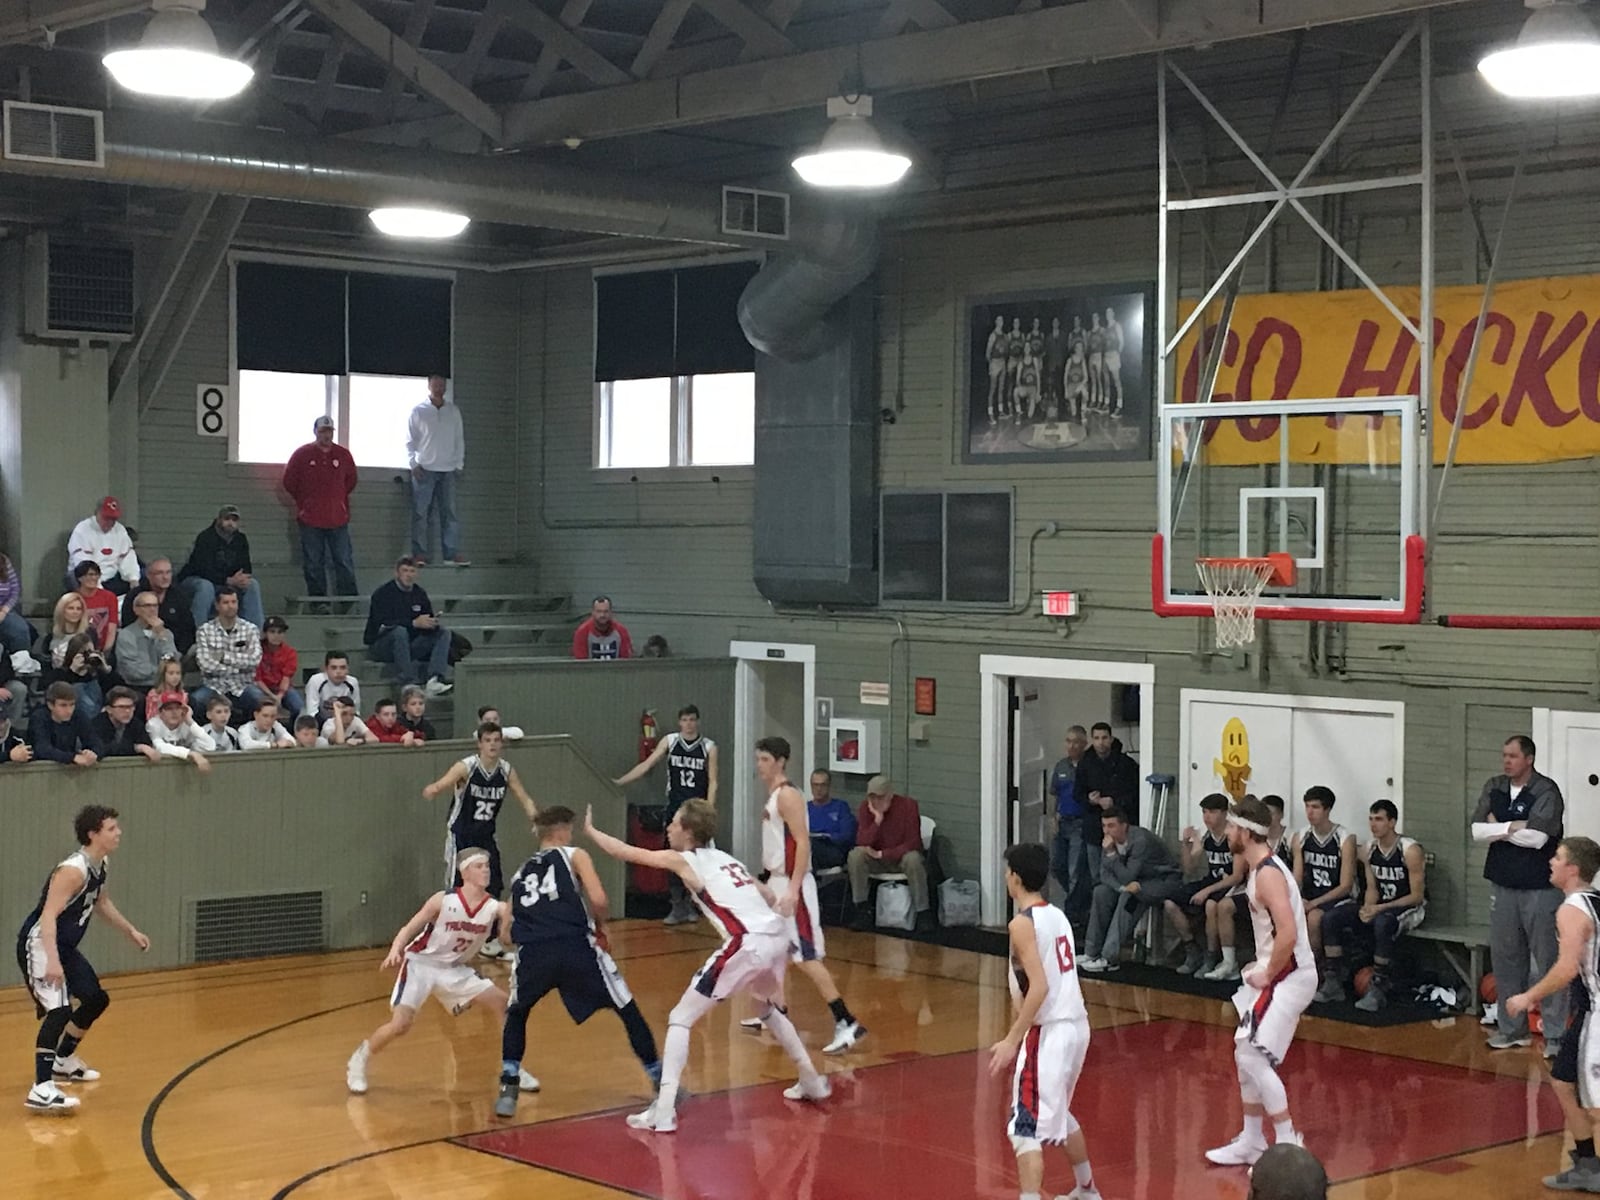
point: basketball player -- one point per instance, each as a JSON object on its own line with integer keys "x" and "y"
{"x": 691, "y": 771}
{"x": 1055, "y": 363}
{"x": 1075, "y": 385}
{"x": 1035, "y": 345}
{"x": 1276, "y": 990}
{"x": 751, "y": 958}
{"x": 786, "y": 857}
{"x": 479, "y": 782}
{"x": 432, "y": 951}
{"x": 1396, "y": 870}
{"x": 1223, "y": 872}
{"x": 556, "y": 919}
{"x": 1325, "y": 868}
{"x": 995, "y": 352}
{"x": 1576, "y": 1070}
{"x": 1027, "y": 390}
{"x": 1112, "y": 363}
{"x": 56, "y": 970}
{"x": 1097, "y": 364}
{"x": 1050, "y": 1035}
{"x": 1016, "y": 344}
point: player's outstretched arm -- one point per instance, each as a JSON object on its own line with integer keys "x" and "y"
{"x": 428, "y": 912}
{"x": 120, "y": 923}
{"x": 449, "y": 781}
{"x": 1025, "y": 953}
{"x": 663, "y": 860}
{"x": 514, "y": 782}
{"x": 711, "y": 777}
{"x": 640, "y": 770}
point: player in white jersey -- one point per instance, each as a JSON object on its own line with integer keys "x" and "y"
{"x": 786, "y": 857}
{"x": 432, "y": 951}
{"x": 1577, "y": 1065}
{"x": 752, "y": 957}
{"x": 1050, "y": 1035}
{"x": 1276, "y": 988}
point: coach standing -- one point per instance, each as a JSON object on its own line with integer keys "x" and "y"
{"x": 319, "y": 478}
{"x": 437, "y": 449}
{"x": 1519, "y": 814}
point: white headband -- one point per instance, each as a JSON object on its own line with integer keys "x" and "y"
{"x": 472, "y": 858}
{"x": 1242, "y": 823}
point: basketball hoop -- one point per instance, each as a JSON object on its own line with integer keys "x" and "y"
{"x": 1235, "y": 585}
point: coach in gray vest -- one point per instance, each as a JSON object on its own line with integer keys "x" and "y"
{"x": 1519, "y": 815}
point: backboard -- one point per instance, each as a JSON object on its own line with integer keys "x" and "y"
{"x": 1330, "y": 482}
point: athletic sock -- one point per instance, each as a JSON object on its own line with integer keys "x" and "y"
{"x": 673, "y": 1060}
{"x": 1584, "y": 1147}
{"x": 1254, "y": 1130}
{"x": 1028, "y": 1196}
{"x": 1084, "y": 1175}
{"x": 68, "y": 1046}
{"x": 510, "y": 1071}
{"x": 44, "y": 1066}
{"x": 840, "y": 1011}
{"x": 781, "y": 1028}
{"x": 654, "y": 1071}
{"x": 1230, "y": 957}
{"x": 1283, "y": 1131}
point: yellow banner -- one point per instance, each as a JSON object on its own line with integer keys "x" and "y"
{"x": 1535, "y": 396}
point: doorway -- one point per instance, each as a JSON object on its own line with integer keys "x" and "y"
{"x": 1026, "y": 706}
{"x": 774, "y": 694}
{"x": 1568, "y": 750}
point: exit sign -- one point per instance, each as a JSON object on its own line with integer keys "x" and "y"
{"x": 1060, "y": 604}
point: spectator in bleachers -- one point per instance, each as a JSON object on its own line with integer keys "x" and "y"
{"x": 120, "y": 729}
{"x": 14, "y": 747}
{"x": 218, "y": 712}
{"x": 221, "y": 559}
{"x": 490, "y": 715}
{"x": 175, "y": 734}
{"x": 278, "y": 666}
{"x": 345, "y": 728}
{"x": 171, "y": 607}
{"x": 99, "y": 604}
{"x": 142, "y": 646}
{"x": 102, "y": 540}
{"x": 306, "y": 735}
{"x": 413, "y": 713}
{"x": 437, "y": 449}
{"x": 13, "y": 691}
{"x": 655, "y": 646}
{"x": 1107, "y": 777}
{"x": 15, "y": 632}
{"x": 263, "y": 731}
{"x": 319, "y": 478}
{"x": 1137, "y": 872}
{"x": 61, "y": 733}
{"x": 333, "y": 681}
{"x": 169, "y": 681}
{"x": 831, "y": 823}
{"x": 385, "y": 725}
{"x": 70, "y": 619}
{"x": 599, "y": 636}
{"x": 228, "y": 648}
{"x": 85, "y": 670}
{"x": 403, "y": 631}
{"x": 888, "y": 839}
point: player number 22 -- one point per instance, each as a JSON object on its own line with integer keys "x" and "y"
{"x": 1064, "y": 957}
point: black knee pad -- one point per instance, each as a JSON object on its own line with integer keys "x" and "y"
{"x": 90, "y": 1008}
{"x": 52, "y": 1027}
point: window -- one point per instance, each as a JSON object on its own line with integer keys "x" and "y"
{"x": 276, "y": 410}
{"x": 683, "y": 421}
{"x": 945, "y": 547}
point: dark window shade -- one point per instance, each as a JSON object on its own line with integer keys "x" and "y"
{"x": 978, "y": 547}
{"x": 634, "y": 324}
{"x": 913, "y": 546}
{"x": 289, "y": 319}
{"x": 399, "y": 325}
{"x": 709, "y": 340}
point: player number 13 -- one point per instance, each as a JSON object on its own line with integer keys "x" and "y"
{"x": 1064, "y": 957}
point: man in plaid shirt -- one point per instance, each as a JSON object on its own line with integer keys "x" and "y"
{"x": 228, "y": 648}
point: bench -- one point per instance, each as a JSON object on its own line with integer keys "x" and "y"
{"x": 1451, "y": 940}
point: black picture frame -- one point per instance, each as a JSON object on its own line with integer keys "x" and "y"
{"x": 1059, "y": 417}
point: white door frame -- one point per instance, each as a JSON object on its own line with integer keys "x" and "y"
{"x": 746, "y": 803}
{"x": 994, "y": 674}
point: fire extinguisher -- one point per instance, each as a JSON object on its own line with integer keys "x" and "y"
{"x": 648, "y": 737}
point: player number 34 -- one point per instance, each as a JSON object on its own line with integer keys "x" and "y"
{"x": 533, "y": 887}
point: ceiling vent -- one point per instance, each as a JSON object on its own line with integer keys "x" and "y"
{"x": 755, "y": 213}
{"x": 78, "y": 290}
{"x": 47, "y": 133}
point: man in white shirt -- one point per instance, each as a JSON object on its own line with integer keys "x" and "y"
{"x": 262, "y": 732}
{"x": 437, "y": 450}
{"x": 175, "y": 735}
{"x": 102, "y": 540}
{"x": 333, "y": 681}
{"x": 345, "y": 728}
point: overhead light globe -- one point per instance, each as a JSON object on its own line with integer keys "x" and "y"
{"x": 852, "y": 154}
{"x": 1555, "y": 57}
{"x": 177, "y": 58}
{"x": 419, "y": 222}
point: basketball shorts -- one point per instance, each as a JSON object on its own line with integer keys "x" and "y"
{"x": 1269, "y": 1016}
{"x": 1044, "y": 1078}
{"x": 455, "y": 987}
{"x": 752, "y": 963}
{"x": 459, "y": 839}
{"x": 804, "y": 929}
{"x": 1112, "y": 362}
{"x": 585, "y": 976}
{"x": 1193, "y": 888}
{"x": 78, "y": 978}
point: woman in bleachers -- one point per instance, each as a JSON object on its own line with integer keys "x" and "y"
{"x": 15, "y": 633}
{"x": 71, "y": 618}
{"x": 86, "y": 669}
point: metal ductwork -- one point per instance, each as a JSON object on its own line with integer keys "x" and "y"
{"x": 784, "y": 308}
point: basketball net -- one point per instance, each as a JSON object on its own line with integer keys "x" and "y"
{"x": 1235, "y": 585}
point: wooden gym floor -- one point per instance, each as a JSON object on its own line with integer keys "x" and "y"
{"x": 228, "y": 1082}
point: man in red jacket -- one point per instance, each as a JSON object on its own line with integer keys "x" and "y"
{"x": 888, "y": 839}
{"x": 319, "y": 477}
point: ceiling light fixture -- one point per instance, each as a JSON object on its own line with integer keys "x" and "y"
{"x": 1555, "y": 57}
{"x": 851, "y": 154}
{"x": 419, "y": 222}
{"x": 177, "y": 57}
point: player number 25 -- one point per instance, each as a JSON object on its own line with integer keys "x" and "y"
{"x": 483, "y": 810}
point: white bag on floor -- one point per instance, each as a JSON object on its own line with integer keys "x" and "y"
{"x": 958, "y": 902}
{"x": 894, "y": 906}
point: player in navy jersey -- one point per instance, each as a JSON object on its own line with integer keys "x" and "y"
{"x": 479, "y": 784}
{"x": 556, "y": 918}
{"x": 1394, "y": 904}
{"x": 1325, "y": 868}
{"x": 1208, "y": 894}
{"x": 691, "y": 760}
{"x": 55, "y": 969}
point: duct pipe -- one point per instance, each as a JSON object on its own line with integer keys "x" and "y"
{"x": 783, "y": 309}
{"x": 1513, "y": 621}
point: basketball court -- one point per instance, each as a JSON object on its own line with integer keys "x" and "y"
{"x": 228, "y": 1081}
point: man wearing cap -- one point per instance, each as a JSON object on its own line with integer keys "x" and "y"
{"x": 221, "y": 558}
{"x": 319, "y": 477}
{"x": 102, "y": 540}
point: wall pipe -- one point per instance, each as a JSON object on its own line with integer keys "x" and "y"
{"x": 1514, "y": 621}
